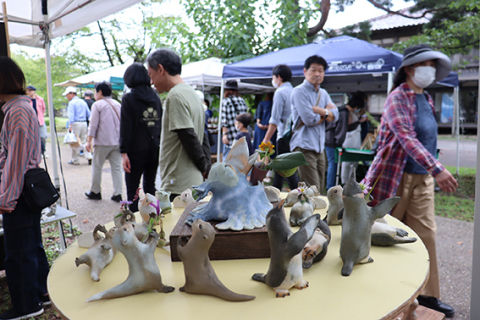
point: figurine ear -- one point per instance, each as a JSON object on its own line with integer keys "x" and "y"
{"x": 205, "y": 237}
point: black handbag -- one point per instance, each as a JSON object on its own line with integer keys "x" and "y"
{"x": 38, "y": 190}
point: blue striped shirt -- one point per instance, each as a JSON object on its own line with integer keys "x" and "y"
{"x": 20, "y": 151}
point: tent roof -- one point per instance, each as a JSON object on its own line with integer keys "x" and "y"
{"x": 206, "y": 75}
{"x": 25, "y": 17}
{"x": 113, "y": 75}
{"x": 366, "y": 65}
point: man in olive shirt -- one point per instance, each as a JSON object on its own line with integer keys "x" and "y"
{"x": 182, "y": 160}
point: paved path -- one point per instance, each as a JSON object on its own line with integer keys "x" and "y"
{"x": 467, "y": 150}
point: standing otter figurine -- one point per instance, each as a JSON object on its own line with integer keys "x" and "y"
{"x": 285, "y": 270}
{"x": 357, "y": 224}
{"x": 200, "y": 278}
{"x": 335, "y": 203}
{"x": 143, "y": 272}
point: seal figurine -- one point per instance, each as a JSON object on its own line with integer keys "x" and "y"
{"x": 100, "y": 254}
{"x": 357, "y": 223}
{"x": 301, "y": 210}
{"x": 316, "y": 249}
{"x": 285, "y": 270}
{"x": 335, "y": 204}
{"x": 143, "y": 272}
{"x": 200, "y": 278}
{"x": 384, "y": 235}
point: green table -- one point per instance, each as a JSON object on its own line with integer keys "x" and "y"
{"x": 349, "y": 155}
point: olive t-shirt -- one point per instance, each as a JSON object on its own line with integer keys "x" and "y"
{"x": 183, "y": 110}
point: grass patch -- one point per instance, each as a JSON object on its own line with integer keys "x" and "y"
{"x": 458, "y": 205}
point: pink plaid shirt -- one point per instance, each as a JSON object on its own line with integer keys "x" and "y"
{"x": 397, "y": 141}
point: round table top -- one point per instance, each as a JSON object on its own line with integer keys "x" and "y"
{"x": 378, "y": 290}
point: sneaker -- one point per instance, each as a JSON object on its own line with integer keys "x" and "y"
{"x": 45, "y": 300}
{"x": 117, "y": 198}
{"x": 73, "y": 162}
{"x": 13, "y": 315}
{"x": 93, "y": 196}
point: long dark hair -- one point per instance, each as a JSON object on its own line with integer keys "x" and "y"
{"x": 399, "y": 78}
{"x": 12, "y": 80}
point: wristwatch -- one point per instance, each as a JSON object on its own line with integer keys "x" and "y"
{"x": 326, "y": 113}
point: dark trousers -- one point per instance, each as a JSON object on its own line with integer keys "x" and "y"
{"x": 292, "y": 181}
{"x": 141, "y": 163}
{"x": 26, "y": 264}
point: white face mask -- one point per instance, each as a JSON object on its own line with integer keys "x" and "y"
{"x": 424, "y": 76}
{"x": 274, "y": 84}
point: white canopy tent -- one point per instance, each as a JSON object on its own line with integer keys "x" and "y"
{"x": 97, "y": 76}
{"x": 206, "y": 76}
{"x": 35, "y": 22}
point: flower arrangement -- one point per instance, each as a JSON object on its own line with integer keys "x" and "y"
{"x": 285, "y": 164}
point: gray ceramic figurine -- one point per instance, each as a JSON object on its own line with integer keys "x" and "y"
{"x": 357, "y": 224}
{"x": 285, "y": 270}
{"x": 335, "y": 203}
{"x": 100, "y": 254}
{"x": 143, "y": 272}
{"x": 316, "y": 249}
{"x": 200, "y": 278}
{"x": 301, "y": 210}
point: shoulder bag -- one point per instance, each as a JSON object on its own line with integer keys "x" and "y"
{"x": 38, "y": 190}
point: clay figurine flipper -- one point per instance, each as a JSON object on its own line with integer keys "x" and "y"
{"x": 285, "y": 270}
{"x": 385, "y": 235}
{"x": 200, "y": 278}
{"x": 143, "y": 272}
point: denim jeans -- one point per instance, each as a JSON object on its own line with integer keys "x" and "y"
{"x": 226, "y": 151}
{"x": 332, "y": 167}
{"x": 26, "y": 264}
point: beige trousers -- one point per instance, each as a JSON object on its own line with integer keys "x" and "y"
{"x": 417, "y": 210}
{"x": 314, "y": 172}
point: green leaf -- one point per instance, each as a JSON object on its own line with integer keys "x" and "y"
{"x": 288, "y": 161}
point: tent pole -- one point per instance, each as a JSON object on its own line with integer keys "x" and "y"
{"x": 475, "y": 293}
{"x": 390, "y": 80}
{"x": 51, "y": 111}
{"x": 5, "y": 21}
{"x": 219, "y": 131}
{"x": 457, "y": 123}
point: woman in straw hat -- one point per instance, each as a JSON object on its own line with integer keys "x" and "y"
{"x": 405, "y": 164}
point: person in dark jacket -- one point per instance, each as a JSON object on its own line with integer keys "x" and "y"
{"x": 336, "y": 132}
{"x": 140, "y": 128}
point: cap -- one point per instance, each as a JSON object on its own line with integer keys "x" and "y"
{"x": 31, "y": 88}
{"x": 69, "y": 90}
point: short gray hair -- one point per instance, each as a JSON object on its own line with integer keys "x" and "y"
{"x": 169, "y": 60}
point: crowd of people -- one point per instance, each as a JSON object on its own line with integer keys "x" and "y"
{"x": 138, "y": 136}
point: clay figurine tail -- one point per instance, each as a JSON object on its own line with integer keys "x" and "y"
{"x": 347, "y": 268}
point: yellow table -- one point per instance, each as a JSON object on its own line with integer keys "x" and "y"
{"x": 378, "y": 290}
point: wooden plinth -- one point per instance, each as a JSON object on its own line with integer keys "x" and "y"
{"x": 228, "y": 245}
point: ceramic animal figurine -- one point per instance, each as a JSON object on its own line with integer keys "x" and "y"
{"x": 127, "y": 217}
{"x": 301, "y": 210}
{"x": 184, "y": 199}
{"x": 273, "y": 194}
{"x": 316, "y": 249}
{"x": 144, "y": 206}
{"x": 234, "y": 201}
{"x": 285, "y": 270}
{"x": 164, "y": 199}
{"x": 311, "y": 192}
{"x": 239, "y": 158}
{"x": 335, "y": 203}
{"x": 100, "y": 254}
{"x": 357, "y": 224}
{"x": 143, "y": 272}
{"x": 200, "y": 278}
{"x": 384, "y": 235}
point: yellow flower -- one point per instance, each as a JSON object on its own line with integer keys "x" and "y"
{"x": 267, "y": 147}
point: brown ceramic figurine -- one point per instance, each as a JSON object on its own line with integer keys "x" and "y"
{"x": 316, "y": 249}
{"x": 100, "y": 254}
{"x": 285, "y": 270}
{"x": 143, "y": 272}
{"x": 200, "y": 278}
